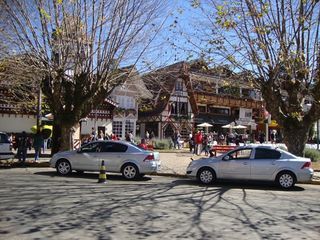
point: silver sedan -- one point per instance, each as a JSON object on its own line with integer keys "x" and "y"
{"x": 119, "y": 156}
{"x": 263, "y": 163}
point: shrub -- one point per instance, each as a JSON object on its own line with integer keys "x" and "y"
{"x": 313, "y": 154}
{"x": 162, "y": 144}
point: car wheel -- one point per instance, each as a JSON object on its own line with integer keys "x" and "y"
{"x": 130, "y": 171}
{"x": 286, "y": 179}
{"x": 206, "y": 175}
{"x": 64, "y": 167}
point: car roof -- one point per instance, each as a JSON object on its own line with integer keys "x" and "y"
{"x": 259, "y": 146}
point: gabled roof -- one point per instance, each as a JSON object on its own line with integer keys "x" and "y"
{"x": 161, "y": 84}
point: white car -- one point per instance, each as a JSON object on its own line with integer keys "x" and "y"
{"x": 263, "y": 163}
{"x": 119, "y": 156}
{"x": 5, "y": 147}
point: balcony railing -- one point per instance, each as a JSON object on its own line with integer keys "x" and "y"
{"x": 227, "y": 101}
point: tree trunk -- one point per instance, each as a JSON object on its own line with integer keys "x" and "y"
{"x": 61, "y": 137}
{"x": 295, "y": 137}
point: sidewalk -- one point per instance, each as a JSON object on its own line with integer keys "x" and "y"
{"x": 173, "y": 163}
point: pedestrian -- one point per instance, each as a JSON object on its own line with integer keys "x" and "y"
{"x": 143, "y": 144}
{"x": 23, "y": 143}
{"x": 176, "y": 140}
{"x": 37, "y": 145}
{"x": 100, "y": 135}
{"x": 93, "y": 134}
{"x": 191, "y": 142}
{"x": 198, "y": 142}
{"x": 221, "y": 139}
{"x": 131, "y": 137}
{"x": 205, "y": 145}
{"x": 114, "y": 137}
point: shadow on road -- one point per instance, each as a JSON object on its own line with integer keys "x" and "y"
{"x": 237, "y": 185}
{"x": 90, "y": 176}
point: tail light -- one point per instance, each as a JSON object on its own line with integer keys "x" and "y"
{"x": 150, "y": 157}
{"x": 306, "y": 165}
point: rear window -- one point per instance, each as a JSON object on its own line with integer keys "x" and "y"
{"x": 262, "y": 153}
{"x": 4, "y": 138}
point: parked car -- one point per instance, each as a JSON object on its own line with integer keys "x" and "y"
{"x": 265, "y": 163}
{"x": 119, "y": 156}
{"x": 5, "y": 147}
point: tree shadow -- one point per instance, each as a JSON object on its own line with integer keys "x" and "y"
{"x": 258, "y": 185}
{"x": 149, "y": 209}
{"x": 86, "y": 175}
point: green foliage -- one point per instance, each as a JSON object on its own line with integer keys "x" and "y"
{"x": 313, "y": 154}
{"x": 163, "y": 144}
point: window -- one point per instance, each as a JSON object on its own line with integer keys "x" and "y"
{"x": 221, "y": 111}
{"x": 262, "y": 153}
{"x": 202, "y": 108}
{"x": 91, "y": 147}
{"x": 179, "y": 108}
{"x": 113, "y": 147}
{"x": 129, "y": 126}
{"x": 117, "y": 128}
{"x": 240, "y": 154}
{"x": 179, "y": 85}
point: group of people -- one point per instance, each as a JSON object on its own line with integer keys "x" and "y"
{"x": 23, "y": 142}
{"x": 100, "y": 136}
{"x": 200, "y": 142}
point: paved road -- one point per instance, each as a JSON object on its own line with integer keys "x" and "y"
{"x": 35, "y": 203}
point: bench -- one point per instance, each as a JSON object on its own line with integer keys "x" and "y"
{"x": 221, "y": 149}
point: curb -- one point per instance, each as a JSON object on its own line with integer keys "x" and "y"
{"x": 47, "y": 165}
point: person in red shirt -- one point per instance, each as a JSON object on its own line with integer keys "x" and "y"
{"x": 114, "y": 137}
{"x": 198, "y": 142}
{"x": 143, "y": 144}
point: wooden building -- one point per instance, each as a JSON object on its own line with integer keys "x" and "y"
{"x": 187, "y": 94}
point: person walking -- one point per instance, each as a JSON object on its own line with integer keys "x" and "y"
{"x": 37, "y": 145}
{"x": 198, "y": 142}
{"x": 191, "y": 142}
{"x": 23, "y": 144}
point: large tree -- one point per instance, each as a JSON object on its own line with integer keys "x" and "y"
{"x": 278, "y": 42}
{"x": 77, "y": 47}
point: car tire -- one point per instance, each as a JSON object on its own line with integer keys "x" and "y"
{"x": 286, "y": 179}
{"x": 130, "y": 171}
{"x": 206, "y": 175}
{"x": 63, "y": 167}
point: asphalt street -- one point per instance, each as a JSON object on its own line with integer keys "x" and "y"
{"x": 35, "y": 203}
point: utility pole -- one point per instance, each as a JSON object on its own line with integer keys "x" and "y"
{"x": 318, "y": 134}
{"x": 39, "y": 115}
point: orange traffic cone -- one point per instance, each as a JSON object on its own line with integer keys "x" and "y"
{"x": 102, "y": 174}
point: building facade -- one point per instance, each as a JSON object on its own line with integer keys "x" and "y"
{"x": 188, "y": 94}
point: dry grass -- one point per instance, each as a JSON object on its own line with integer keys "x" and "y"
{"x": 316, "y": 165}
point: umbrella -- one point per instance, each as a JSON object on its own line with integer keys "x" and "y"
{"x": 205, "y": 125}
{"x": 233, "y": 126}
{"x": 228, "y": 126}
{"x": 239, "y": 127}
